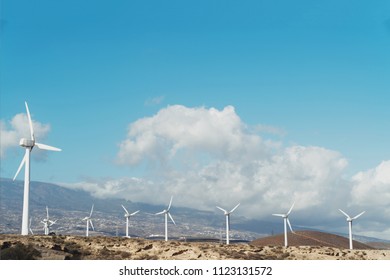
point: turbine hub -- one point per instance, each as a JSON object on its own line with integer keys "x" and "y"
{"x": 26, "y": 143}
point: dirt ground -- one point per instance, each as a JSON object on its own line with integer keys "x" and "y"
{"x": 116, "y": 248}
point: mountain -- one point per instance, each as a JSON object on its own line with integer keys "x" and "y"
{"x": 70, "y": 206}
{"x": 310, "y": 238}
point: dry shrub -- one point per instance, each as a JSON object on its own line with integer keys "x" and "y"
{"x": 283, "y": 256}
{"x": 18, "y": 251}
{"x": 125, "y": 255}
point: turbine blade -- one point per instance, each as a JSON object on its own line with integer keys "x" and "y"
{"x": 90, "y": 215}
{"x": 357, "y": 216}
{"x": 289, "y": 224}
{"x": 278, "y": 215}
{"x": 90, "y": 221}
{"x": 132, "y": 214}
{"x": 20, "y": 167}
{"x": 345, "y": 214}
{"x": 30, "y": 122}
{"x": 170, "y": 204}
{"x": 125, "y": 210}
{"x": 231, "y": 211}
{"x": 47, "y": 213}
{"x": 221, "y": 209}
{"x": 29, "y": 227}
{"x": 47, "y": 147}
{"x": 159, "y": 213}
{"x": 170, "y": 216}
{"x": 289, "y": 211}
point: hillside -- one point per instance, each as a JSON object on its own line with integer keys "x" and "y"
{"x": 309, "y": 238}
{"x": 116, "y": 248}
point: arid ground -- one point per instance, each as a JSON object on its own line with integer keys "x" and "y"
{"x": 117, "y": 248}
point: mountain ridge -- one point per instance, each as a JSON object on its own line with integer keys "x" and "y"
{"x": 108, "y": 213}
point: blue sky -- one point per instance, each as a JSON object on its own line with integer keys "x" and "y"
{"x": 298, "y": 73}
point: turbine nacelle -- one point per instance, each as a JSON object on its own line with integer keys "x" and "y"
{"x": 227, "y": 213}
{"x": 127, "y": 214}
{"x": 349, "y": 219}
{"x": 26, "y": 143}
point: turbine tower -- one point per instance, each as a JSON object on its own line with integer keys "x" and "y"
{"x": 89, "y": 221}
{"x": 127, "y": 216}
{"x": 286, "y": 221}
{"x": 349, "y": 220}
{"x": 29, "y": 144}
{"x": 166, "y": 214}
{"x": 227, "y": 214}
{"x": 47, "y": 223}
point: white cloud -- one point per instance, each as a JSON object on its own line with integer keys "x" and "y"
{"x": 12, "y": 131}
{"x": 154, "y": 101}
{"x": 210, "y": 132}
{"x": 135, "y": 189}
{"x": 372, "y": 188}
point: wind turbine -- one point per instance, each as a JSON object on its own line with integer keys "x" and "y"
{"x": 349, "y": 220}
{"x": 29, "y": 144}
{"x": 166, "y": 214}
{"x": 286, "y": 221}
{"x": 47, "y": 223}
{"x": 29, "y": 227}
{"x": 127, "y": 216}
{"x": 227, "y": 214}
{"x": 89, "y": 221}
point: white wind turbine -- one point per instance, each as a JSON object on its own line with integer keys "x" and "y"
{"x": 349, "y": 220}
{"x": 28, "y": 144}
{"x": 286, "y": 221}
{"x": 29, "y": 227}
{"x": 166, "y": 214}
{"x": 47, "y": 223}
{"x": 127, "y": 216}
{"x": 89, "y": 221}
{"x": 227, "y": 214}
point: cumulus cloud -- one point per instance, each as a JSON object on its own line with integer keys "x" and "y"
{"x": 372, "y": 188}
{"x": 15, "y": 129}
{"x": 210, "y": 132}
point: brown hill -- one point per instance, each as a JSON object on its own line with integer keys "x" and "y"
{"x": 310, "y": 238}
{"x": 379, "y": 245}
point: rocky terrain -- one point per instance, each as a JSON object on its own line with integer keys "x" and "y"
{"x": 119, "y": 248}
